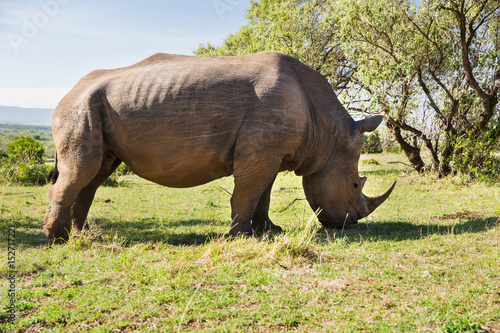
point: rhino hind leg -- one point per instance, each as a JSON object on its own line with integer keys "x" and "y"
{"x": 253, "y": 177}
{"x": 84, "y": 200}
{"x": 261, "y": 222}
{"x": 73, "y": 177}
{"x": 79, "y": 160}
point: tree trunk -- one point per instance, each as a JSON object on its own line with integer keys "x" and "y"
{"x": 413, "y": 153}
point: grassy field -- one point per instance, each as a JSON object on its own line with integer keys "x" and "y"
{"x": 158, "y": 260}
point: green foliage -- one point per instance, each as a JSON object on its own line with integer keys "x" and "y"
{"x": 475, "y": 155}
{"x": 373, "y": 144}
{"x": 24, "y": 163}
{"x": 304, "y": 29}
{"x": 123, "y": 170}
{"x": 371, "y": 161}
{"x": 406, "y": 54}
{"x": 112, "y": 181}
{"x": 20, "y": 172}
{"x": 11, "y": 132}
{"x": 26, "y": 149}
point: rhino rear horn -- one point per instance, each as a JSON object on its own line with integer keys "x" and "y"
{"x": 373, "y": 202}
{"x": 369, "y": 124}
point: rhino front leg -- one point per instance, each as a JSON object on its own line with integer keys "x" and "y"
{"x": 260, "y": 219}
{"x": 252, "y": 178}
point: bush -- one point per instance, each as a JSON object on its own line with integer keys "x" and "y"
{"x": 123, "y": 170}
{"x": 19, "y": 172}
{"x": 24, "y": 163}
{"x": 26, "y": 149}
{"x": 112, "y": 181}
{"x": 371, "y": 161}
{"x": 475, "y": 156}
{"x": 372, "y": 144}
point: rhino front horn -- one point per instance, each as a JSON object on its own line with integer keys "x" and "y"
{"x": 373, "y": 202}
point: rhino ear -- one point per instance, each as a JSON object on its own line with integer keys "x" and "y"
{"x": 369, "y": 124}
{"x": 363, "y": 181}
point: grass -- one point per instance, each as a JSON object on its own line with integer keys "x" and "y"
{"x": 158, "y": 260}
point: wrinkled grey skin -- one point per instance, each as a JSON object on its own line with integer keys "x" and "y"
{"x": 182, "y": 121}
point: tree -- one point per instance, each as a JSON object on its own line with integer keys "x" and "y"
{"x": 433, "y": 70}
{"x": 304, "y": 29}
{"x": 440, "y": 79}
{"x": 379, "y": 39}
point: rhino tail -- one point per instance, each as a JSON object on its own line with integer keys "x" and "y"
{"x": 54, "y": 173}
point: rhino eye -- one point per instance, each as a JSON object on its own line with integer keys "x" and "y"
{"x": 355, "y": 185}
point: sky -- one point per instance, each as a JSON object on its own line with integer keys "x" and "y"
{"x": 46, "y": 46}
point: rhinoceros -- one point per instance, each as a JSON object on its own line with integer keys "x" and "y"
{"x": 182, "y": 121}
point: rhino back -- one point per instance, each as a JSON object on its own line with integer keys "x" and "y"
{"x": 181, "y": 120}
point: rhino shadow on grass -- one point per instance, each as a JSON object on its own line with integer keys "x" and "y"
{"x": 184, "y": 232}
{"x": 407, "y": 230}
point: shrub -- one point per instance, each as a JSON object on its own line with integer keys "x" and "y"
{"x": 370, "y": 161}
{"x": 19, "y": 172}
{"x": 123, "y": 170}
{"x": 112, "y": 181}
{"x": 24, "y": 163}
{"x": 373, "y": 144}
{"x": 475, "y": 156}
{"x": 26, "y": 149}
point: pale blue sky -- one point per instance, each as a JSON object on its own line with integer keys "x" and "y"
{"x": 47, "y": 45}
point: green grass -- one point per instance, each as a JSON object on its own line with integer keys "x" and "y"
{"x": 158, "y": 260}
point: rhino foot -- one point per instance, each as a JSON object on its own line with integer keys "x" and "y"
{"x": 241, "y": 229}
{"x": 58, "y": 232}
{"x": 260, "y": 227}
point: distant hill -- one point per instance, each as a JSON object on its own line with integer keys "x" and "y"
{"x": 24, "y": 116}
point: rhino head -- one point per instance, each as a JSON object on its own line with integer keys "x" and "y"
{"x": 337, "y": 190}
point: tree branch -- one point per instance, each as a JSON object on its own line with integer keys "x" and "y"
{"x": 366, "y": 40}
{"x": 428, "y": 94}
{"x": 426, "y": 35}
{"x": 465, "y": 43}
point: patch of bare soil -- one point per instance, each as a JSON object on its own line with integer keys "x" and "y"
{"x": 495, "y": 328}
{"x": 36, "y": 328}
{"x": 461, "y": 215}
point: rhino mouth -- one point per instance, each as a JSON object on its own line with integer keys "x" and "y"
{"x": 329, "y": 222}
{"x": 346, "y": 225}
